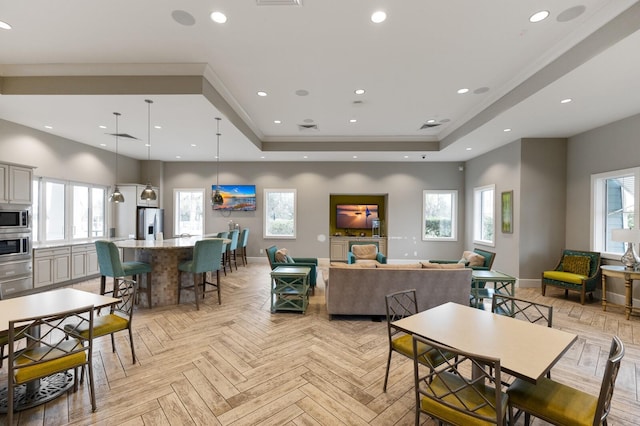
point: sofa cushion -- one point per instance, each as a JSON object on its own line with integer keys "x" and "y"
{"x": 429, "y": 265}
{"x": 353, "y": 265}
{"x": 576, "y": 264}
{"x": 473, "y": 258}
{"x": 364, "y": 251}
{"x": 399, "y": 265}
{"x": 566, "y": 277}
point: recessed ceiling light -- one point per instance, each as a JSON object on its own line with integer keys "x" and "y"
{"x": 378, "y": 16}
{"x": 463, "y": 91}
{"x": 406, "y": 156}
{"x": 218, "y": 17}
{"x": 48, "y": 127}
{"x": 4, "y": 25}
{"x": 305, "y": 156}
{"x": 507, "y": 130}
{"x": 469, "y": 149}
{"x": 193, "y": 144}
{"x": 431, "y": 121}
{"x": 102, "y": 127}
{"x": 178, "y": 157}
{"x": 157, "y": 127}
{"x": 262, "y": 156}
{"x": 261, "y": 93}
{"x": 539, "y": 16}
{"x": 147, "y": 144}
{"x": 353, "y": 120}
{"x": 359, "y": 91}
{"x": 566, "y": 101}
{"x": 355, "y": 156}
{"x": 103, "y": 144}
{"x": 277, "y": 121}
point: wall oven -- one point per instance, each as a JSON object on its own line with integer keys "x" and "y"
{"x": 14, "y": 219}
{"x": 14, "y": 246}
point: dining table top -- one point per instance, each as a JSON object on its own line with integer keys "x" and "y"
{"x": 169, "y": 243}
{"x": 49, "y": 302}
{"x": 525, "y": 350}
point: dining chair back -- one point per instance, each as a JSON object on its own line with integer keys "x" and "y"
{"x": 447, "y": 392}
{"x": 50, "y": 349}
{"x": 242, "y": 243}
{"x": 111, "y": 266}
{"x": 511, "y": 306}
{"x": 560, "y": 404}
{"x": 207, "y": 255}
{"x": 399, "y": 305}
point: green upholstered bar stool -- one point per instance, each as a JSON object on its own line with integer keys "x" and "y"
{"x": 223, "y": 259}
{"x": 232, "y": 248}
{"x": 242, "y": 243}
{"x": 111, "y": 266}
{"x": 207, "y": 256}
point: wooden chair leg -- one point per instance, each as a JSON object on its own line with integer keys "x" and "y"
{"x": 218, "y": 286}
{"x": 196, "y": 286}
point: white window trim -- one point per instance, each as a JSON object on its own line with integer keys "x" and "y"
{"x": 267, "y": 191}
{"x": 176, "y": 216}
{"x": 477, "y": 221}
{"x": 454, "y": 214}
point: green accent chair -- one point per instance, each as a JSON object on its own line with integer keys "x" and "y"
{"x": 50, "y": 349}
{"x": 489, "y": 257}
{"x": 351, "y": 258}
{"x": 242, "y": 243}
{"x": 207, "y": 255}
{"x": 577, "y": 270}
{"x": 111, "y": 266}
{"x": 299, "y": 261}
{"x": 560, "y": 404}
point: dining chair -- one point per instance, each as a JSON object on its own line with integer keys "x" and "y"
{"x": 232, "y": 249}
{"x": 223, "y": 259}
{"x": 399, "y": 305}
{"x": 111, "y": 266}
{"x": 560, "y": 404}
{"x": 206, "y": 258}
{"x": 445, "y": 391}
{"x": 120, "y": 317}
{"x": 50, "y": 349}
{"x": 242, "y": 243}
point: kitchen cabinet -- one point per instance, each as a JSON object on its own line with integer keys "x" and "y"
{"x": 51, "y": 266}
{"x": 84, "y": 261}
{"x": 16, "y": 184}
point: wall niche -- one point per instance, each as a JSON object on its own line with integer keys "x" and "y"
{"x": 340, "y": 227}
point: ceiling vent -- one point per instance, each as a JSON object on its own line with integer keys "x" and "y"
{"x": 429, "y": 125}
{"x": 123, "y": 135}
{"x": 308, "y": 127}
{"x": 279, "y": 2}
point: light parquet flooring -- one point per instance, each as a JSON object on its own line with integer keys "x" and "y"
{"x": 239, "y": 364}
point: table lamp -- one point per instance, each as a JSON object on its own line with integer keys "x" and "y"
{"x": 630, "y": 236}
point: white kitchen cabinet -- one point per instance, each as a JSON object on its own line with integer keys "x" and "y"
{"x": 15, "y": 184}
{"x": 84, "y": 261}
{"x": 51, "y": 266}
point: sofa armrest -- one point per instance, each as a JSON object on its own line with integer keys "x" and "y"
{"x": 305, "y": 260}
{"x": 447, "y": 261}
{"x": 381, "y": 258}
{"x": 479, "y": 268}
{"x": 351, "y": 258}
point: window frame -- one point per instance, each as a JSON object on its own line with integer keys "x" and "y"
{"x": 598, "y": 207}
{"x": 267, "y": 209}
{"x": 478, "y": 216}
{"x": 453, "y": 214}
{"x": 176, "y": 213}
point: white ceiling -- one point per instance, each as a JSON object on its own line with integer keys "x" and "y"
{"x": 411, "y": 67}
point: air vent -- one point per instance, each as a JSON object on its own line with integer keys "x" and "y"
{"x": 279, "y": 2}
{"x": 123, "y": 135}
{"x": 308, "y": 127}
{"x": 429, "y": 125}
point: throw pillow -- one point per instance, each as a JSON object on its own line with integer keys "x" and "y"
{"x": 473, "y": 258}
{"x": 364, "y": 251}
{"x": 281, "y": 255}
{"x": 576, "y": 264}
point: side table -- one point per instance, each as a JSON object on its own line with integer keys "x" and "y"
{"x": 290, "y": 288}
{"x": 502, "y": 283}
{"x": 628, "y": 275}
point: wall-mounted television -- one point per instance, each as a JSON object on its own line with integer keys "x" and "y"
{"x": 355, "y": 216}
{"x": 236, "y": 197}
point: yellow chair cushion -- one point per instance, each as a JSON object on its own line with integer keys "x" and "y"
{"x": 404, "y": 345}
{"x": 566, "y": 277}
{"x": 27, "y": 373}
{"x": 102, "y": 326}
{"x": 470, "y": 397}
{"x": 554, "y": 401}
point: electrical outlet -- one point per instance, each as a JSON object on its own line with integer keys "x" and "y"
{"x": 261, "y": 251}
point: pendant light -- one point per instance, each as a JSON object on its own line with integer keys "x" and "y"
{"x": 148, "y": 193}
{"x": 216, "y": 198}
{"x": 117, "y": 196}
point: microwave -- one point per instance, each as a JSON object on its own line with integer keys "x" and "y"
{"x": 14, "y": 220}
{"x": 14, "y": 246}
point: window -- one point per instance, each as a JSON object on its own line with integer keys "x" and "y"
{"x": 64, "y": 211}
{"x": 484, "y": 215}
{"x": 614, "y": 204}
{"x": 188, "y": 211}
{"x": 439, "y": 215}
{"x": 279, "y": 213}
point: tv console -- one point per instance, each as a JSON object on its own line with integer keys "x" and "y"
{"x": 339, "y": 246}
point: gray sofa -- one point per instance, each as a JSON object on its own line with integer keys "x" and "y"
{"x": 361, "y": 291}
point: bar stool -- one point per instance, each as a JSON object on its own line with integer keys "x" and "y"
{"x": 223, "y": 259}
{"x": 111, "y": 266}
{"x": 243, "y": 240}
{"x": 232, "y": 249}
{"x": 206, "y": 258}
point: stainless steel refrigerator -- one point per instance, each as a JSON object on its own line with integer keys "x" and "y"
{"x": 150, "y": 223}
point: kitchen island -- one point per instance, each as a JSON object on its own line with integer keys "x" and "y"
{"x": 164, "y": 257}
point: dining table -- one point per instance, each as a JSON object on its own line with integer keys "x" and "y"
{"x": 50, "y": 302}
{"x": 525, "y": 350}
{"x": 164, "y": 256}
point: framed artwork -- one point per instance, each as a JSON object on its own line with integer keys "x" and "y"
{"x": 507, "y": 212}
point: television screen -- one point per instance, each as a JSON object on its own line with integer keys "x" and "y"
{"x": 355, "y": 216}
{"x": 236, "y": 197}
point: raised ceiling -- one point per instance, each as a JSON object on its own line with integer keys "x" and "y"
{"x": 70, "y": 65}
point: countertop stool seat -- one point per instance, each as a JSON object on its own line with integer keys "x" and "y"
{"x": 111, "y": 266}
